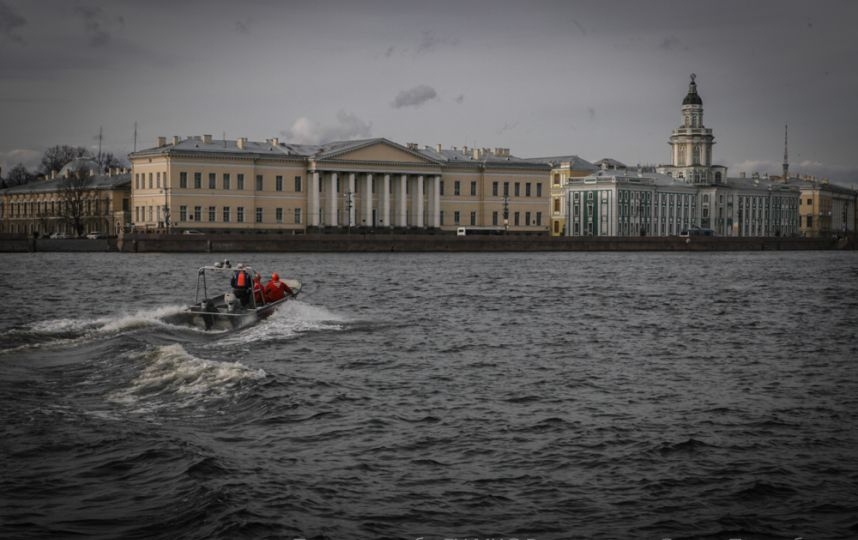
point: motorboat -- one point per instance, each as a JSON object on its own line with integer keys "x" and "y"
{"x": 225, "y": 310}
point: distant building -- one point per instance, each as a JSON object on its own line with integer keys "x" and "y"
{"x": 689, "y": 193}
{"x": 272, "y": 186}
{"x": 67, "y": 203}
{"x": 825, "y": 209}
{"x": 563, "y": 170}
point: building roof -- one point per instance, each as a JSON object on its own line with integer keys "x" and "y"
{"x": 576, "y": 163}
{"x": 100, "y": 182}
{"x": 331, "y": 150}
{"x": 821, "y": 185}
{"x": 692, "y": 97}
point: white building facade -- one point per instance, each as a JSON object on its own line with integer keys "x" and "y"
{"x": 689, "y": 193}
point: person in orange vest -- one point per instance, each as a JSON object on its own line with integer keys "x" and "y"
{"x": 258, "y": 293}
{"x": 241, "y": 285}
{"x": 276, "y": 289}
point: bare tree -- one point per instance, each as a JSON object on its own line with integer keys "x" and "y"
{"x": 109, "y": 161}
{"x": 73, "y": 193}
{"x": 18, "y": 175}
{"x": 56, "y": 157}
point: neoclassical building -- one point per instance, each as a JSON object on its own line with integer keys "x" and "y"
{"x": 688, "y": 193}
{"x": 274, "y": 186}
{"x": 65, "y": 202}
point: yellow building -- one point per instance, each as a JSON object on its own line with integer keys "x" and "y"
{"x": 272, "y": 186}
{"x": 563, "y": 170}
{"x": 69, "y": 204}
{"x": 825, "y": 209}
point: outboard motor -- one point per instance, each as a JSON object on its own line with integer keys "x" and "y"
{"x": 231, "y": 301}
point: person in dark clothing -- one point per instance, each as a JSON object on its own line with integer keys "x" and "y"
{"x": 241, "y": 285}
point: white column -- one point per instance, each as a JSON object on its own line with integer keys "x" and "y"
{"x": 418, "y": 200}
{"x": 332, "y": 200}
{"x": 436, "y": 202}
{"x": 385, "y": 201}
{"x": 352, "y": 195}
{"x": 402, "y": 218}
{"x": 366, "y": 200}
{"x": 313, "y": 199}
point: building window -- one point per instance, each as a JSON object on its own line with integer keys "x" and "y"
{"x": 239, "y": 181}
{"x": 456, "y": 186}
{"x": 239, "y": 214}
{"x": 183, "y": 180}
{"x": 556, "y": 179}
{"x": 212, "y": 181}
{"x": 810, "y": 221}
{"x": 297, "y": 216}
{"x": 506, "y": 189}
{"x": 517, "y": 218}
{"x": 539, "y": 189}
{"x": 473, "y": 189}
{"x": 494, "y": 189}
{"x": 226, "y": 214}
{"x": 539, "y": 219}
{"x": 158, "y": 179}
{"x": 527, "y": 219}
{"x": 517, "y": 189}
{"x": 258, "y": 182}
{"x": 441, "y": 188}
{"x": 150, "y": 180}
{"x": 212, "y": 216}
{"x": 198, "y": 213}
{"x": 278, "y": 215}
{"x": 297, "y": 184}
{"x": 183, "y": 213}
{"x": 259, "y": 215}
{"x": 557, "y": 205}
{"x": 495, "y": 218}
{"x": 456, "y": 217}
{"x": 473, "y": 219}
{"x": 527, "y": 189}
{"x": 226, "y": 181}
{"x": 278, "y": 183}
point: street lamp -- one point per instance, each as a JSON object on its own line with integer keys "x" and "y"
{"x": 167, "y": 209}
{"x": 506, "y": 213}
{"x": 348, "y": 199}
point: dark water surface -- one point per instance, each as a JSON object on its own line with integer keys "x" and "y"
{"x": 544, "y": 396}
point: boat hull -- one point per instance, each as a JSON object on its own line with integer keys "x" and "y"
{"x": 216, "y": 315}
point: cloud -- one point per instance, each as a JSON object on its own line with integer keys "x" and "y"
{"x": 430, "y": 42}
{"x": 348, "y": 126}
{"x": 389, "y": 52}
{"x": 672, "y": 43}
{"x": 460, "y": 99}
{"x": 243, "y": 27}
{"x": 508, "y": 126}
{"x": 97, "y": 25}
{"x": 414, "y": 97}
{"x": 28, "y": 157}
{"x": 10, "y": 21}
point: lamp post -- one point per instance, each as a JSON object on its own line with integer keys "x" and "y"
{"x": 167, "y": 209}
{"x": 348, "y": 200}
{"x": 506, "y": 213}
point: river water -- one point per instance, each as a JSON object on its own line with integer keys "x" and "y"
{"x": 538, "y": 395}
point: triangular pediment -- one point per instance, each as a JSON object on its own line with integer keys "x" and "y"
{"x": 379, "y": 150}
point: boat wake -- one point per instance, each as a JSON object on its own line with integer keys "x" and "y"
{"x": 174, "y": 378}
{"x": 291, "y": 320}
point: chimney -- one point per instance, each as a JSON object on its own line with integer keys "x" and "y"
{"x": 207, "y": 139}
{"x": 242, "y": 143}
{"x": 438, "y": 148}
{"x": 161, "y": 141}
{"x": 176, "y": 139}
{"x": 411, "y": 145}
{"x": 476, "y": 153}
{"x": 275, "y": 141}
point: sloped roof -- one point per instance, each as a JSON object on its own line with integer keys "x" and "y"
{"x": 100, "y": 181}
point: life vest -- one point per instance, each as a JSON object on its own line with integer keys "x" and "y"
{"x": 241, "y": 280}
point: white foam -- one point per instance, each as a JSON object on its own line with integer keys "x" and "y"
{"x": 292, "y": 318}
{"x": 174, "y": 374}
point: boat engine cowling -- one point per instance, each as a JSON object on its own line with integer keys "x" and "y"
{"x": 231, "y": 301}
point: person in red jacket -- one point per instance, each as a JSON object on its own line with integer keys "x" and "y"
{"x": 258, "y": 293}
{"x": 276, "y": 289}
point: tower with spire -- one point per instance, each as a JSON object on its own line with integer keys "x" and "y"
{"x": 786, "y": 158}
{"x": 691, "y": 144}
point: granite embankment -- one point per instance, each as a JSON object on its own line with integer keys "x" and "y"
{"x": 232, "y": 243}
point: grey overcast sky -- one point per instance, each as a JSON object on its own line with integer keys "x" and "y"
{"x": 598, "y": 79}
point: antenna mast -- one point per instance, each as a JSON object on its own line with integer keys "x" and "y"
{"x": 135, "y": 136}
{"x": 786, "y": 158}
